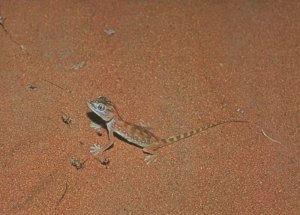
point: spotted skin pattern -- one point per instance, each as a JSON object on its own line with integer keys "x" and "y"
{"x": 136, "y": 134}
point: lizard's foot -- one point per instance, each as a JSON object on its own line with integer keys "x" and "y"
{"x": 97, "y": 127}
{"x": 150, "y": 158}
{"x": 144, "y": 125}
{"x": 95, "y": 149}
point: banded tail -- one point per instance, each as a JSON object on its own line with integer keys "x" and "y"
{"x": 175, "y": 138}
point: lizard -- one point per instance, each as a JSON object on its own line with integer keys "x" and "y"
{"x": 135, "y": 134}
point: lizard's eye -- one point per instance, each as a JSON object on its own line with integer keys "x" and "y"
{"x": 101, "y": 107}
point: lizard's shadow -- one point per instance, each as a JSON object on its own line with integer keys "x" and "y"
{"x": 96, "y": 119}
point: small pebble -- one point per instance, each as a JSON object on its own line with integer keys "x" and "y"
{"x": 109, "y": 31}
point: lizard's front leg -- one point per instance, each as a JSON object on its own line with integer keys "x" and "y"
{"x": 97, "y": 149}
{"x": 97, "y": 127}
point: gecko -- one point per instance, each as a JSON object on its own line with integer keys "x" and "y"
{"x": 135, "y": 134}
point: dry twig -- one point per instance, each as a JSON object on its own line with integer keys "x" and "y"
{"x": 264, "y": 133}
{"x": 56, "y": 85}
{"x": 64, "y": 193}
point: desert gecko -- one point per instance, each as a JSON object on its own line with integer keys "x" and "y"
{"x": 136, "y": 134}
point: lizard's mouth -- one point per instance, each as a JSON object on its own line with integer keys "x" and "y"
{"x": 92, "y": 106}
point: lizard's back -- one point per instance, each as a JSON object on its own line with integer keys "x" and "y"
{"x": 136, "y": 134}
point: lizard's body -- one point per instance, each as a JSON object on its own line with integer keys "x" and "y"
{"x": 135, "y": 134}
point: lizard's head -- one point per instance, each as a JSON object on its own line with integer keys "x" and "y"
{"x": 103, "y": 108}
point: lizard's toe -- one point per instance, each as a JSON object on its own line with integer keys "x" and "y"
{"x": 150, "y": 158}
{"x": 95, "y": 149}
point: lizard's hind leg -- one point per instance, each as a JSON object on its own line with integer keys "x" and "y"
{"x": 150, "y": 158}
{"x": 150, "y": 154}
